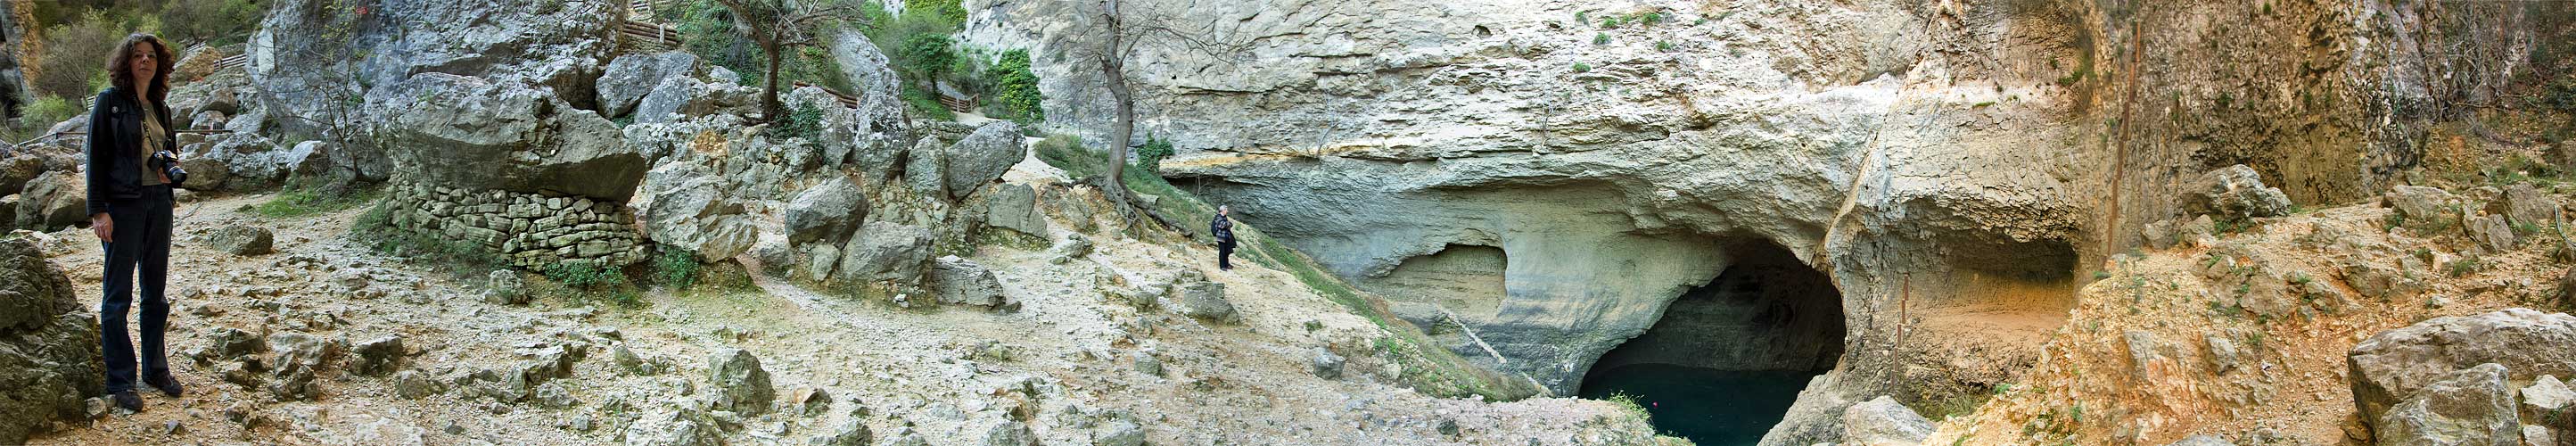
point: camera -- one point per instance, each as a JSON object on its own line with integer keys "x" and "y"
{"x": 169, "y": 164}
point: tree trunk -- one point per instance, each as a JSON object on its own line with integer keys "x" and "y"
{"x": 769, "y": 109}
{"x": 1122, "y": 124}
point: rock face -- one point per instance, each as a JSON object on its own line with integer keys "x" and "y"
{"x": 2470, "y": 406}
{"x": 2395, "y": 366}
{"x": 301, "y": 59}
{"x": 48, "y": 344}
{"x": 629, "y": 78}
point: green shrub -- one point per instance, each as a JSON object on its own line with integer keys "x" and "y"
{"x": 1015, "y": 88}
{"x": 1653, "y": 18}
{"x": 922, "y": 103}
{"x": 926, "y": 56}
{"x": 74, "y": 54}
{"x": 304, "y": 196}
{"x": 587, "y": 281}
{"x": 804, "y": 120}
{"x": 46, "y": 111}
{"x": 213, "y": 22}
{"x": 1611, "y": 22}
{"x": 1580, "y": 67}
{"x": 676, "y": 268}
{"x": 1600, "y": 38}
{"x": 1581, "y": 17}
{"x": 1150, "y": 157}
{"x": 1664, "y": 46}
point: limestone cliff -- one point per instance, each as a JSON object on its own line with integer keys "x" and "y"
{"x": 1950, "y": 167}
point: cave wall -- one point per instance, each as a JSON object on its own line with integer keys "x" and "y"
{"x": 1766, "y": 312}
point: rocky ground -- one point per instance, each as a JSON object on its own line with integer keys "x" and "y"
{"x": 290, "y": 348}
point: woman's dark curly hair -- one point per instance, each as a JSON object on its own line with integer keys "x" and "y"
{"x": 119, "y": 66}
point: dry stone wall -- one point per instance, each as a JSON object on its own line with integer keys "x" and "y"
{"x": 529, "y": 230}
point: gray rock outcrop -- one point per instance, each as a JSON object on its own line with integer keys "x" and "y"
{"x": 981, "y": 157}
{"x": 885, "y": 251}
{"x": 1015, "y": 207}
{"x": 684, "y": 205}
{"x": 2394, "y": 366}
{"x": 53, "y": 200}
{"x": 2468, "y": 406}
{"x": 1884, "y": 422}
{"x": 827, "y": 211}
{"x": 2235, "y": 193}
{"x": 740, "y": 384}
{"x": 242, "y": 240}
{"x": 628, "y": 79}
{"x": 963, "y": 282}
{"x": 476, "y": 133}
{"x": 48, "y": 344}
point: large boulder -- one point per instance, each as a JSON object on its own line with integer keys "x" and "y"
{"x": 2393, "y": 366}
{"x": 683, "y": 205}
{"x": 1194, "y": 296}
{"x": 1015, "y": 207}
{"x": 242, "y": 240}
{"x": 884, "y": 251}
{"x": 2235, "y": 193}
{"x": 2525, "y": 205}
{"x": 982, "y": 157}
{"x": 17, "y": 169}
{"x": 878, "y": 134}
{"x": 629, "y": 78}
{"x": 681, "y": 98}
{"x": 827, "y": 211}
{"x": 836, "y": 128}
{"x": 960, "y": 281}
{"x": 478, "y": 134}
{"x": 2416, "y": 203}
{"x": 1884, "y": 422}
{"x": 48, "y": 344}
{"x": 52, "y": 200}
{"x": 308, "y": 57}
{"x": 2469, "y": 406}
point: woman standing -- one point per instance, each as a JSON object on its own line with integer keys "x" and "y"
{"x": 129, "y": 210}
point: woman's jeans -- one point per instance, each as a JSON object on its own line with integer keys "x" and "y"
{"x": 141, "y": 238}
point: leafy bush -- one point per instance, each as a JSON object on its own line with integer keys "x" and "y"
{"x": 1150, "y": 157}
{"x": 1600, "y": 38}
{"x": 46, "y": 111}
{"x": 804, "y": 120}
{"x": 74, "y": 57}
{"x": 1580, "y": 67}
{"x": 1015, "y": 88}
{"x": 213, "y": 22}
{"x": 1664, "y": 46}
{"x": 676, "y": 268}
{"x": 927, "y": 56}
{"x": 585, "y": 281}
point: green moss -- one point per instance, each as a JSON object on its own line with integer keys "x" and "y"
{"x": 303, "y": 196}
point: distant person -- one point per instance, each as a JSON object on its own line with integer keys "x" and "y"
{"x": 131, "y": 172}
{"x": 1223, "y": 228}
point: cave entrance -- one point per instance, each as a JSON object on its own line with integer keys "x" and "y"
{"x": 1727, "y": 358}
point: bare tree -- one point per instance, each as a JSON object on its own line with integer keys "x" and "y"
{"x": 778, "y": 26}
{"x": 1119, "y": 32}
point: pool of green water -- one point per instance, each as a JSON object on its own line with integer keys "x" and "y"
{"x": 1708, "y": 406}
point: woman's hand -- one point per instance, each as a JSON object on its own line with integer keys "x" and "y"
{"x": 102, "y": 225}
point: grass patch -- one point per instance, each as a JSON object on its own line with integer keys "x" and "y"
{"x": 468, "y": 261}
{"x": 586, "y": 282}
{"x": 304, "y": 197}
{"x": 676, "y": 268}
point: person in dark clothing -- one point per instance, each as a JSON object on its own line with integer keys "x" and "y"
{"x": 1224, "y": 230}
{"x": 130, "y": 176}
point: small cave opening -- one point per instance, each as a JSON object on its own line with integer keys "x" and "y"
{"x": 1726, "y": 359}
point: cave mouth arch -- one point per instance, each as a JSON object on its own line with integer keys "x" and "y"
{"x": 1725, "y": 360}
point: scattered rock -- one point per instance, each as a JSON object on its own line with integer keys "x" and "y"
{"x": 2469, "y": 406}
{"x": 229, "y": 343}
{"x": 1119, "y": 433}
{"x": 2235, "y": 193}
{"x": 1884, "y": 422}
{"x": 627, "y": 360}
{"x": 1010, "y": 433}
{"x": 1074, "y": 246}
{"x": 2201, "y": 440}
{"x": 1325, "y": 364}
{"x": 1199, "y": 298}
{"x": 2392, "y": 366}
{"x": 503, "y": 287}
{"x": 380, "y": 355}
{"x": 2492, "y": 233}
{"x": 2422, "y": 204}
{"x": 2222, "y": 354}
{"x": 412, "y": 385}
{"x": 1147, "y": 364}
{"x": 674, "y": 427}
{"x": 851, "y": 432}
{"x": 295, "y": 360}
{"x": 552, "y": 395}
{"x": 2526, "y": 205}
{"x": 2547, "y": 394}
{"x": 961, "y": 281}
{"x": 741, "y": 385}
{"x": 686, "y": 208}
